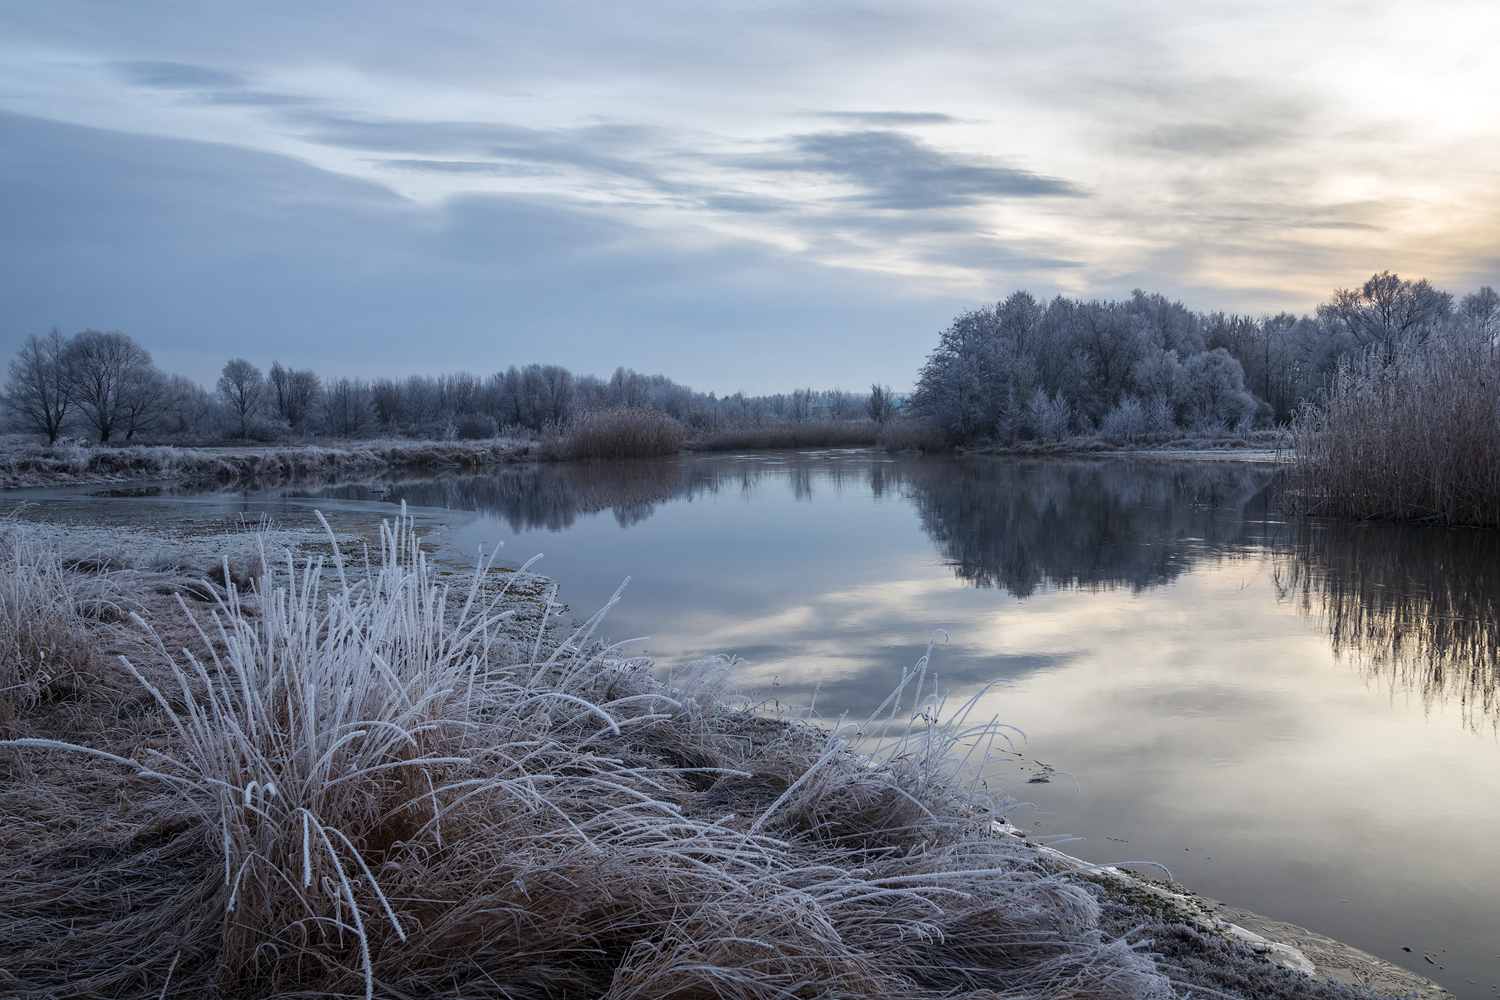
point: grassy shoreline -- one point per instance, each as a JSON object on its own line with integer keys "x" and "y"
{"x": 30, "y": 465}
{"x": 541, "y": 816}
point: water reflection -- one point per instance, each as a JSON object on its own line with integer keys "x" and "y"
{"x": 1030, "y": 526}
{"x": 1416, "y": 607}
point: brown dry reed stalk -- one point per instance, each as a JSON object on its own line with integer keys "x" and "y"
{"x": 367, "y": 800}
{"x": 620, "y": 432}
{"x": 913, "y": 434}
{"x": 1414, "y": 438}
{"x": 807, "y": 434}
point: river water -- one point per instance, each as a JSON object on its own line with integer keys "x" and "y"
{"x": 1296, "y": 717}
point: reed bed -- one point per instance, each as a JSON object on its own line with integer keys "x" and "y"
{"x": 620, "y": 432}
{"x": 367, "y": 790}
{"x": 1415, "y": 439}
{"x": 808, "y": 434}
{"x": 913, "y": 434}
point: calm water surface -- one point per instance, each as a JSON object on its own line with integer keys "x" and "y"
{"x": 1295, "y": 717}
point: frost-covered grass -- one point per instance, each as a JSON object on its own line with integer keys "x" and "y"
{"x": 370, "y": 790}
{"x": 25, "y": 463}
{"x": 1414, "y": 439}
{"x": 47, "y": 615}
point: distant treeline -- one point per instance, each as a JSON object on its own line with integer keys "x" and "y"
{"x": 105, "y": 385}
{"x": 1021, "y": 370}
{"x": 1143, "y": 366}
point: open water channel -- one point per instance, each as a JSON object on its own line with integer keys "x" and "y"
{"x": 1299, "y": 717}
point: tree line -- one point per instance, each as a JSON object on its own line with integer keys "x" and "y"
{"x": 106, "y": 384}
{"x": 1023, "y": 369}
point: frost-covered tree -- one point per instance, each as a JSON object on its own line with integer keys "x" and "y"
{"x": 1212, "y": 392}
{"x": 144, "y": 403}
{"x": 37, "y": 393}
{"x": 242, "y": 387}
{"x": 1480, "y": 313}
{"x": 1386, "y": 313}
{"x": 102, "y": 369}
{"x": 346, "y": 406}
{"x": 293, "y": 394}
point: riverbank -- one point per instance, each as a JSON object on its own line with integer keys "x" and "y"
{"x": 876, "y": 866}
{"x": 1269, "y": 445}
{"x": 27, "y": 464}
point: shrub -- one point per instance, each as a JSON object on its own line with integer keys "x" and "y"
{"x": 622, "y": 432}
{"x": 1417, "y": 438}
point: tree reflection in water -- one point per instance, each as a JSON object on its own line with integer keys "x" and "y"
{"x": 1417, "y": 608}
{"x": 1041, "y": 525}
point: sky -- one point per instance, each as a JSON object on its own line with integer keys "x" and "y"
{"x": 744, "y": 196}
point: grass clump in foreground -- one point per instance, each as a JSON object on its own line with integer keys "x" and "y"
{"x": 1414, "y": 438}
{"x": 367, "y": 791}
{"x": 621, "y": 432}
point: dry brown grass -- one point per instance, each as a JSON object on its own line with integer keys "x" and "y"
{"x": 621, "y": 432}
{"x": 367, "y": 792}
{"x": 1416, "y": 439}
{"x": 809, "y": 434}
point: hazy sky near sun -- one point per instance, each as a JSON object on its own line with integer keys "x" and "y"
{"x": 743, "y": 196}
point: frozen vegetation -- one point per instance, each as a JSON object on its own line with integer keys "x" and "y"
{"x": 25, "y": 462}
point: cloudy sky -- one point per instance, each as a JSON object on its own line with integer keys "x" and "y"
{"x": 745, "y": 196}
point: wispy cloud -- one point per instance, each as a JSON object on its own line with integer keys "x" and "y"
{"x": 898, "y": 171}
{"x": 175, "y": 75}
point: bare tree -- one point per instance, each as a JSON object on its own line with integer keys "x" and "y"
{"x": 242, "y": 387}
{"x": 102, "y": 369}
{"x": 346, "y": 406}
{"x": 144, "y": 403}
{"x": 188, "y": 407}
{"x": 37, "y": 391}
{"x": 293, "y": 393}
{"x": 880, "y": 406}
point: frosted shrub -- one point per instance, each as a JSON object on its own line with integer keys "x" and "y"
{"x": 1126, "y": 422}
{"x": 1049, "y": 418}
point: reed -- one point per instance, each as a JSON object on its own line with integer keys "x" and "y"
{"x": 1417, "y": 438}
{"x": 807, "y": 434}
{"x": 619, "y": 432}
{"x": 361, "y": 791}
{"x": 913, "y": 434}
